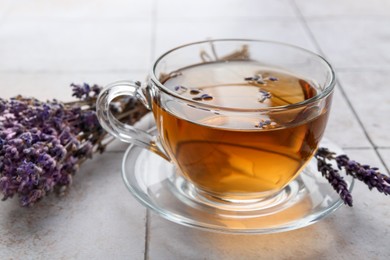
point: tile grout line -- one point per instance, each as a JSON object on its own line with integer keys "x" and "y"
{"x": 344, "y": 69}
{"x": 356, "y": 148}
{"x": 349, "y": 103}
{"x": 372, "y": 17}
{"x": 208, "y": 19}
{"x": 147, "y": 231}
{"x": 153, "y": 36}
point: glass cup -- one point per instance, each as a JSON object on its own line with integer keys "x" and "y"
{"x": 239, "y": 119}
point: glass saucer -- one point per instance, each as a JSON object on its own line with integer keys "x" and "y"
{"x": 156, "y": 184}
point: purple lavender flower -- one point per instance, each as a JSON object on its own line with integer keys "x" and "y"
{"x": 85, "y": 91}
{"x": 369, "y": 175}
{"x": 338, "y": 183}
{"x": 42, "y": 144}
{"x": 365, "y": 173}
{"x": 37, "y": 140}
{"x": 332, "y": 175}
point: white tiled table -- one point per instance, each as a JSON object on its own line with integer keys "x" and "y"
{"x": 47, "y": 44}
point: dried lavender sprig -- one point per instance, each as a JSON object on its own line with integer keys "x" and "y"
{"x": 42, "y": 144}
{"x": 332, "y": 175}
{"x": 365, "y": 173}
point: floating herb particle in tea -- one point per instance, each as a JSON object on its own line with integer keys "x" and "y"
{"x": 194, "y": 91}
{"x": 206, "y": 97}
{"x": 265, "y": 123}
{"x": 177, "y": 88}
{"x": 180, "y": 89}
{"x": 264, "y": 95}
{"x": 258, "y": 78}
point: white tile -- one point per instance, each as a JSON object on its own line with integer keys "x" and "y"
{"x": 5, "y": 7}
{"x": 180, "y": 11}
{"x": 339, "y": 236}
{"x": 97, "y": 219}
{"x": 344, "y": 8}
{"x": 86, "y": 10}
{"x": 46, "y": 86}
{"x": 354, "y": 43}
{"x": 172, "y": 34}
{"x": 370, "y": 97}
{"x": 66, "y": 46}
{"x": 343, "y": 127}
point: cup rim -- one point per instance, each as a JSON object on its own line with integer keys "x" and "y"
{"x": 328, "y": 88}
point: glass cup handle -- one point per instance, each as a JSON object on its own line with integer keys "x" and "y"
{"x": 122, "y": 131}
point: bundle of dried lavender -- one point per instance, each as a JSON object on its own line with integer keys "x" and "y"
{"x": 42, "y": 144}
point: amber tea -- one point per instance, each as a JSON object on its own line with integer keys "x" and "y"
{"x": 232, "y": 155}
